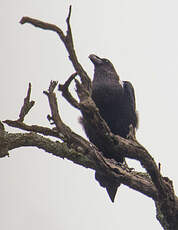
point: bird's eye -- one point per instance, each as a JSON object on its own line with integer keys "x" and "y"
{"x": 107, "y": 61}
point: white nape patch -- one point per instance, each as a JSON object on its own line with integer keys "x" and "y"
{"x": 121, "y": 83}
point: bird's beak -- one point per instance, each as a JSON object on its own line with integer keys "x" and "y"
{"x": 95, "y": 59}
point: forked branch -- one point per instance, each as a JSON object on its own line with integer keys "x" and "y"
{"x": 65, "y": 91}
{"x": 68, "y": 42}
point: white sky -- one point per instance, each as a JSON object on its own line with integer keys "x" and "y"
{"x": 40, "y": 191}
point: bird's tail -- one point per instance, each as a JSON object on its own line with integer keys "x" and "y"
{"x": 111, "y": 186}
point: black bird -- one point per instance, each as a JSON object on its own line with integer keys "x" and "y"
{"x": 115, "y": 100}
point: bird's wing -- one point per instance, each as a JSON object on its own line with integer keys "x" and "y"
{"x": 130, "y": 94}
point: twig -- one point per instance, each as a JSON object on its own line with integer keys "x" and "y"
{"x": 65, "y": 91}
{"x": 27, "y": 105}
{"x": 61, "y": 127}
{"x": 34, "y": 128}
{"x": 43, "y": 25}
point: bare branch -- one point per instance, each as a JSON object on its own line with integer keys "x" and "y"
{"x": 68, "y": 42}
{"x": 69, "y": 31}
{"x": 16, "y": 140}
{"x": 43, "y": 25}
{"x": 134, "y": 181}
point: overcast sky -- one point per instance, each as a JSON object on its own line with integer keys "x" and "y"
{"x": 40, "y": 191}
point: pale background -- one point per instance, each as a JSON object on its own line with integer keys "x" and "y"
{"x": 40, "y": 191}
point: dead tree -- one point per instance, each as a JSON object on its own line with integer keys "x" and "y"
{"x": 80, "y": 151}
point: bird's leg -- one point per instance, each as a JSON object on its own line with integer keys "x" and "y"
{"x": 125, "y": 166}
{"x": 131, "y": 134}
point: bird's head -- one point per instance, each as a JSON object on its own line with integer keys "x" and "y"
{"x": 102, "y": 64}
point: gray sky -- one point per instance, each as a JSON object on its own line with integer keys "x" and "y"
{"x": 40, "y": 191}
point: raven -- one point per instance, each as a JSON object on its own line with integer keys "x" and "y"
{"x": 115, "y": 100}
